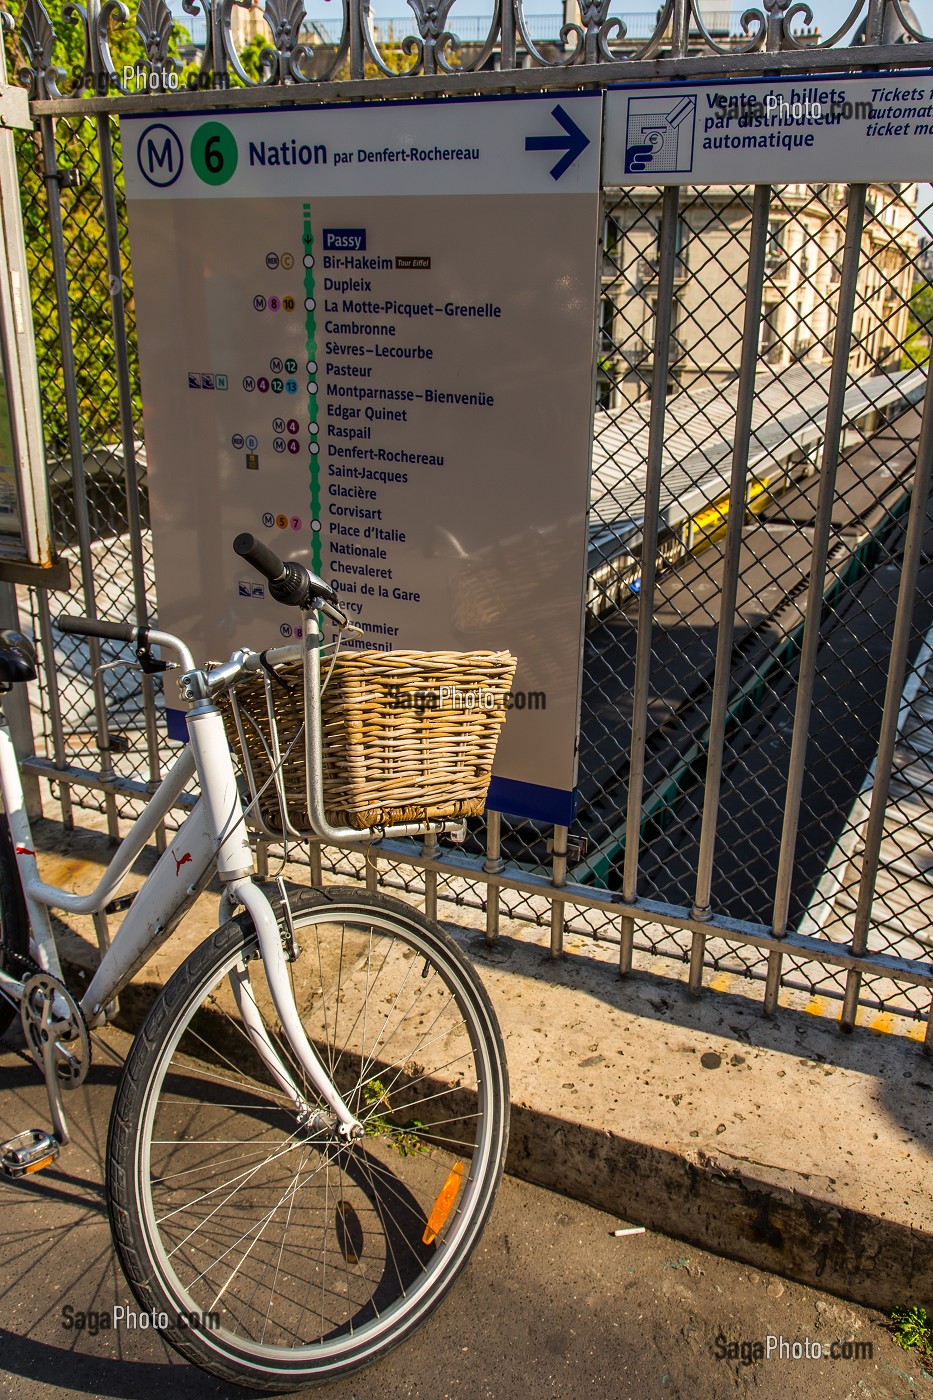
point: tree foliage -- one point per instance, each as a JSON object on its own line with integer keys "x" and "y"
{"x": 77, "y": 145}
{"x": 919, "y": 327}
{"x": 87, "y": 271}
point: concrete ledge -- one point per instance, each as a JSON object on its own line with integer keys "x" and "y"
{"x": 774, "y": 1221}
{"x": 780, "y": 1143}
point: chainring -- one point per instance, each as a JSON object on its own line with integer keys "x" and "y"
{"x": 72, "y": 1041}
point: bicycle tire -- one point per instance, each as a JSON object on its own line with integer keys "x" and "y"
{"x": 365, "y": 1210}
{"x": 14, "y": 922}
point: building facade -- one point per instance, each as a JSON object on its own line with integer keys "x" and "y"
{"x": 806, "y": 233}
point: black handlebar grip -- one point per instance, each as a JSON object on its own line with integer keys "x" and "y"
{"x": 264, "y": 560}
{"x": 88, "y": 627}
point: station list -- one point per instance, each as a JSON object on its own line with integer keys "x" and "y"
{"x": 391, "y": 381}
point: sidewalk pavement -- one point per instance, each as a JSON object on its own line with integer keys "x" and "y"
{"x": 779, "y": 1143}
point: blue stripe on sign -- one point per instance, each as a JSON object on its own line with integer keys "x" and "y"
{"x": 555, "y": 806}
{"x": 177, "y": 725}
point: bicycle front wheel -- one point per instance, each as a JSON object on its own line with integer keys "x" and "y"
{"x": 269, "y": 1252}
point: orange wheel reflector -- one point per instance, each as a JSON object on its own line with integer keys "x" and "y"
{"x": 443, "y": 1205}
{"x": 37, "y": 1166}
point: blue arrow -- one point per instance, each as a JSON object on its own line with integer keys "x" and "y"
{"x": 573, "y": 144}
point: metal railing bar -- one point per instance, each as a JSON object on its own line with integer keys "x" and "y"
{"x": 558, "y": 879}
{"x": 76, "y": 448}
{"x": 84, "y": 777}
{"x": 667, "y": 255}
{"x": 829, "y": 460}
{"x": 493, "y": 865}
{"x": 54, "y": 704}
{"x": 127, "y": 434}
{"x": 917, "y": 523}
{"x": 590, "y": 75}
{"x": 732, "y": 550}
{"x": 474, "y": 868}
{"x": 455, "y": 863}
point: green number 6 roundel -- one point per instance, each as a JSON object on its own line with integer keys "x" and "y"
{"x": 214, "y": 153}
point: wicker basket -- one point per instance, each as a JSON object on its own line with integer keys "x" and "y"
{"x": 408, "y": 736}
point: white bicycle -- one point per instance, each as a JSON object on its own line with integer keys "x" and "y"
{"x": 310, "y": 1128}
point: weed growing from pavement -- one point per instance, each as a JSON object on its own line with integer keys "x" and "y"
{"x": 913, "y": 1330}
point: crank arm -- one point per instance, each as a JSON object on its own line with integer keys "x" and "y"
{"x": 50, "y": 1031}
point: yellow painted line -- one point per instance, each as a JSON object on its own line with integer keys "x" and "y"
{"x": 721, "y": 982}
{"x": 883, "y": 1022}
{"x": 916, "y": 1032}
{"x": 816, "y": 1006}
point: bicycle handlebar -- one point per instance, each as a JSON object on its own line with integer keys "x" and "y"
{"x": 92, "y": 627}
{"x": 263, "y": 559}
{"x": 291, "y": 583}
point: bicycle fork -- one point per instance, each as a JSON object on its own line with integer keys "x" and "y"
{"x": 234, "y": 859}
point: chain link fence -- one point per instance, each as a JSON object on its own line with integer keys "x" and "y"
{"x": 734, "y": 835}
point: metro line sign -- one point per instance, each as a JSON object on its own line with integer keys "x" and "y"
{"x": 805, "y": 129}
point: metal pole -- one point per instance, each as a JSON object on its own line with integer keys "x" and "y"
{"x": 315, "y": 864}
{"x": 52, "y": 177}
{"x": 430, "y": 876}
{"x": 492, "y": 865}
{"x": 738, "y": 493}
{"x": 558, "y": 879}
{"x": 507, "y": 42}
{"x": 667, "y": 240}
{"x": 887, "y": 737}
{"x": 59, "y": 756}
{"x": 128, "y": 435}
{"x": 16, "y": 709}
{"x": 814, "y": 607}
{"x": 357, "y": 51}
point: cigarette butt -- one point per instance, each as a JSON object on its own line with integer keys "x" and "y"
{"x": 631, "y": 1230}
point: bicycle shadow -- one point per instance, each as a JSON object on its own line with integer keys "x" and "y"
{"x": 117, "y": 1378}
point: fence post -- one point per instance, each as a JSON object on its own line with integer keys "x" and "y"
{"x": 492, "y": 865}
{"x": 903, "y": 625}
{"x": 128, "y": 436}
{"x": 16, "y": 709}
{"x": 738, "y": 492}
{"x": 52, "y": 177}
{"x": 667, "y": 240}
{"x": 829, "y": 459}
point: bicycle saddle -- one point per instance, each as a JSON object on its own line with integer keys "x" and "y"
{"x": 17, "y": 657}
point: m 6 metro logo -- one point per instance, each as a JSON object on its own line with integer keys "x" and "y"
{"x": 161, "y": 157}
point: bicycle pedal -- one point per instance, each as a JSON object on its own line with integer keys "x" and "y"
{"x": 28, "y": 1152}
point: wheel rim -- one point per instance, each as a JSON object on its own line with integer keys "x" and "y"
{"x": 299, "y": 1249}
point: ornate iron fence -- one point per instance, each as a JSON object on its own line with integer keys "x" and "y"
{"x": 760, "y": 572}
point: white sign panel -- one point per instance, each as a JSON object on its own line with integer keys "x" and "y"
{"x": 366, "y": 336}
{"x": 804, "y": 129}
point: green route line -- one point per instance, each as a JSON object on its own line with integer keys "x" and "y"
{"x": 314, "y": 461}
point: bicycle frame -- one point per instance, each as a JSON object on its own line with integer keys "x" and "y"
{"x": 214, "y": 837}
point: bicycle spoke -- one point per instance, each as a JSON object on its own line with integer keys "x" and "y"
{"x": 295, "y": 1238}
